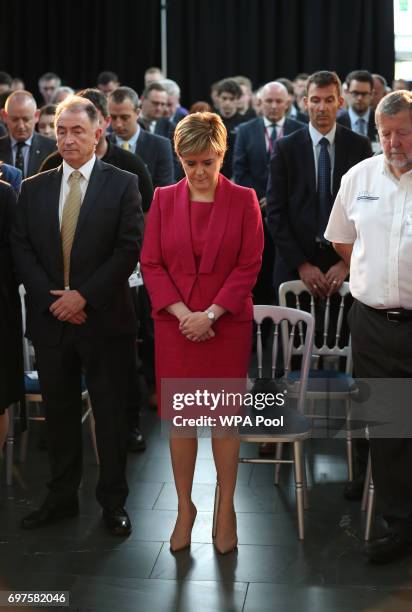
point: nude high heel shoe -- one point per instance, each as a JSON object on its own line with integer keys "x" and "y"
{"x": 223, "y": 543}
{"x": 181, "y": 536}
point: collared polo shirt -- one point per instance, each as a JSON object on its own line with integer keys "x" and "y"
{"x": 373, "y": 211}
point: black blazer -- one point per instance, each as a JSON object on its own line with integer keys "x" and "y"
{"x": 40, "y": 148}
{"x": 250, "y": 158}
{"x": 120, "y": 159}
{"x": 344, "y": 119}
{"x": 291, "y": 197}
{"x": 156, "y": 152}
{"x": 11, "y": 358}
{"x": 105, "y": 251}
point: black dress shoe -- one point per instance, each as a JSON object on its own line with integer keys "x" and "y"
{"x": 117, "y": 521}
{"x": 353, "y": 490}
{"x": 50, "y": 513}
{"x": 388, "y": 548}
{"x": 135, "y": 441}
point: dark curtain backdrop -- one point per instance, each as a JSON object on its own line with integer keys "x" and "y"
{"x": 207, "y": 39}
{"x": 266, "y": 39}
{"x": 78, "y": 39}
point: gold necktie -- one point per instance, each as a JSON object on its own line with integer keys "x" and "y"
{"x": 126, "y": 146}
{"x": 69, "y": 220}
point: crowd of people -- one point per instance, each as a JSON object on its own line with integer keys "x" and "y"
{"x": 236, "y": 194}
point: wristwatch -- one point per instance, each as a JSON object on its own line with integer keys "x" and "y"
{"x": 210, "y": 315}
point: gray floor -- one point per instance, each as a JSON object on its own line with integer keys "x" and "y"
{"x": 271, "y": 570}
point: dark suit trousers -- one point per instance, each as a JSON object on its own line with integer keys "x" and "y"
{"x": 106, "y": 364}
{"x": 382, "y": 349}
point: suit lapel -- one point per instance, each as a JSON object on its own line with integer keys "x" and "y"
{"x": 52, "y": 214}
{"x": 217, "y": 224}
{"x": 261, "y": 141}
{"x": 34, "y": 156}
{"x": 96, "y": 183}
{"x": 340, "y": 160}
{"x": 308, "y": 160}
{"x": 182, "y": 227}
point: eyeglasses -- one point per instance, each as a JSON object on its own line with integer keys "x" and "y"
{"x": 360, "y": 94}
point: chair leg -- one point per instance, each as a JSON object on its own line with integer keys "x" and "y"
{"x": 305, "y": 485}
{"x": 92, "y": 426}
{"x": 10, "y": 447}
{"x": 368, "y": 477}
{"x": 298, "y": 467}
{"x": 279, "y": 451}
{"x": 370, "y": 509}
{"x": 24, "y": 437}
{"x": 349, "y": 450}
{"x": 215, "y": 509}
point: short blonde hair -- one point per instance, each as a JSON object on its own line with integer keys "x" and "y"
{"x": 200, "y": 132}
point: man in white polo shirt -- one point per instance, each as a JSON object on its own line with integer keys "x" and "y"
{"x": 371, "y": 227}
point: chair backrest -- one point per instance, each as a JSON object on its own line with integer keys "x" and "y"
{"x": 321, "y": 312}
{"x": 292, "y": 318}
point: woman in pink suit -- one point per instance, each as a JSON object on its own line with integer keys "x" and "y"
{"x": 200, "y": 259}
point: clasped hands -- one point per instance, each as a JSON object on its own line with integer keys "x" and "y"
{"x": 69, "y": 306}
{"x": 196, "y": 326}
{"x": 320, "y": 284}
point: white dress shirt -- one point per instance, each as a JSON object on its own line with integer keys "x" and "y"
{"x": 373, "y": 211}
{"x": 132, "y": 141}
{"x": 270, "y": 126}
{"x": 85, "y": 171}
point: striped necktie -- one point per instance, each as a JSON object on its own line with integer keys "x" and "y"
{"x": 70, "y": 216}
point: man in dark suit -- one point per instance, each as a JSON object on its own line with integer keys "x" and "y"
{"x": 76, "y": 241}
{"x": 112, "y": 154}
{"x": 174, "y": 111}
{"x": 253, "y": 146}
{"x": 305, "y": 173}
{"x": 153, "y": 107}
{"x": 155, "y": 150}
{"x": 295, "y": 216}
{"x": 23, "y": 147}
{"x": 255, "y": 139}
{"x": 360, "y": 116}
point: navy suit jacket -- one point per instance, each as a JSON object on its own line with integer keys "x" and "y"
{"x": 344, "y": 119}
{"x": 41, "y": 147}
{"x": 11, "y": 175}
{"x": 251, "y": 159}
{"x": 292, "y": 200}
{"x": 156, "y": 152}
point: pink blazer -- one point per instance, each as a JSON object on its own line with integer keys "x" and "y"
{"x": 231, "y": 258}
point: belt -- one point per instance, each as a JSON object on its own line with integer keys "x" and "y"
{"x": 393, "y": 315}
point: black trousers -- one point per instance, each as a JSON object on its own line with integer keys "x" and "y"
{"x": 382, "y": 349}
{"x": 105, "y": 362}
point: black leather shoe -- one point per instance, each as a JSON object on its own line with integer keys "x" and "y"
{"x": 353, "y": 490}
{"x": 388, "y": 548}
{"x": 50, "y": 513}
{"x": 135, "y": 441}
{"x": 117, "y": 521}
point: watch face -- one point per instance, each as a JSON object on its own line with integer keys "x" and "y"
{"x": 211, "y": 315}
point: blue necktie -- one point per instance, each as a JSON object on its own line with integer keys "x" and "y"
{"x": 361, "y": 125}
{"x": 324, "y": 191}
